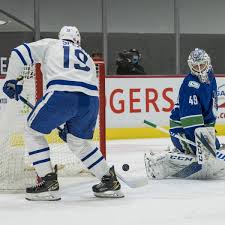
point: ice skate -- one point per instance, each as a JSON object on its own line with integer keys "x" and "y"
{"x": 46, "y": 190}
{"x": 109, "y": 187}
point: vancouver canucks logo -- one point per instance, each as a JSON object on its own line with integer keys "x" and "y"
{"x": 193, "y": 84}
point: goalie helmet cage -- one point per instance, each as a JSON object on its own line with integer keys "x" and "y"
{"x": 16, "y": 171}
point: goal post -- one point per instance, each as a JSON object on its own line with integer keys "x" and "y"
{"x": 100, "y": 69}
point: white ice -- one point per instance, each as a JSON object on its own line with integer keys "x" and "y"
{"x": 162, "y": 202}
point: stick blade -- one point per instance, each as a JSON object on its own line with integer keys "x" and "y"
{"x": 135, "y": 182}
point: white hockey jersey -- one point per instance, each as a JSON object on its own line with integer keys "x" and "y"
{"x": 65, "y": 66}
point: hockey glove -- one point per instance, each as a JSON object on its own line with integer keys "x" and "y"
{"x": 63, "y": 133}
{"x": 12, "y": 89}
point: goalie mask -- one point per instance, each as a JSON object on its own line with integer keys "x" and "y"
{"x": 70, "y": 33}
{"x": 199, "y": 63}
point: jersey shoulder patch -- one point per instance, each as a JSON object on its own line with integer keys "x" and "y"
{"x": 193, "y": 84}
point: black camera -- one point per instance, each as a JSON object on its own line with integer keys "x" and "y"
{"x": 124, "y": 57}
{"x": 128, "y": 63}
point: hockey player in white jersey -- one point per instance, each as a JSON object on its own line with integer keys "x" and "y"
{"x": 193, "y": 119}
{"x": 71, "y": 98}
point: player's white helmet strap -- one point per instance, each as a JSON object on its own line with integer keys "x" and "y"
{"x": 70, "y": 33}
{"x": 199, "y": 63}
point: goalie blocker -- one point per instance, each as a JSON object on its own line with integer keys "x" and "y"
{"x": 203, "y": 165}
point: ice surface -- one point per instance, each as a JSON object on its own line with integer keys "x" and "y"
{"x": 162, "y": 202}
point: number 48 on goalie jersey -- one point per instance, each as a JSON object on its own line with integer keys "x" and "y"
{"x": 196, "y": 107}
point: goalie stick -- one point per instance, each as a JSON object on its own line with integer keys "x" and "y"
{"x": 135, "y": 183}
{"x": 203, "y": 140}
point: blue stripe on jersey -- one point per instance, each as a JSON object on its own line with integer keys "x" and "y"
{"x": 41, "y": 161}
{"x": 96, "y": 162}
{"x": 39, "y": 151}
{"x": 20, "y": 55}
{"x": 72, "y": 83}
{"x": 29, "y": 52}
{"x": 90, "y": 154}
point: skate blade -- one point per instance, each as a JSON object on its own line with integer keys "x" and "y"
{"x": 44, "y": 196}
{"x": 110, "y": 194}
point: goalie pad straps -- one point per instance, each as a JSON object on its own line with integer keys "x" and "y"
{"x": 205, "y": 144}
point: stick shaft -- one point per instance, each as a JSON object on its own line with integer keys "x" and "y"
{"x": 169, "y": 132}
{"x": 26, "y": 102}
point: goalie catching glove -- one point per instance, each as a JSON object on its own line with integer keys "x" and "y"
{"x": 12, "y": 89}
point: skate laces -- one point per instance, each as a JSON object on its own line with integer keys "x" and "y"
{"x": 39, "y": 184}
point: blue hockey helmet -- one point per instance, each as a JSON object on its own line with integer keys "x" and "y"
{"x": 199, "y": 63}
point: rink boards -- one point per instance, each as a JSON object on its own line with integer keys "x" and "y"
{"x": 131, "y": 99}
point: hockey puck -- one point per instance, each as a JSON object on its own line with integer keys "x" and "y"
{"x": 125, "y": 167}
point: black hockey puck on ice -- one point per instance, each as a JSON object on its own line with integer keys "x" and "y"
{"x": 125, "y": 167}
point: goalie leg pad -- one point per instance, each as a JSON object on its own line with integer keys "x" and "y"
{"x": 208, "y": 156}
{"x": 204, "y": 166}
{"x": 89, "y": 154}
{"x": 205, "y": 144}
{"x": 163, "y": 165}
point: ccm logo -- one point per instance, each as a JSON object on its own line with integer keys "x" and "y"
{"x": 199, "y": 152}
{"x": 181, "y": 158}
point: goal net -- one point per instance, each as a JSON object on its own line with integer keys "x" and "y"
{"x": 16, "y": 171}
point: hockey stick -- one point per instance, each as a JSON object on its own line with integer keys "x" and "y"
{"x": 26, "y": 102}
{"x": 169, "y": 132}
{"x": 203, "y": 140}
{"x": 133, "y": 183}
